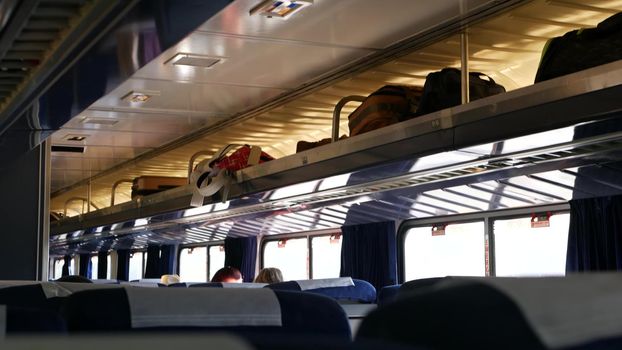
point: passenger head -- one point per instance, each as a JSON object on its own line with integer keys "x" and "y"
{"x": 228, "y": 274}
{"x": 269, "y": 275}
{"x": 74, "y": 279}
{"x": 169, "y": 279}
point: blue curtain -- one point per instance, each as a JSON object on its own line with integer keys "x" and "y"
{"x": 167, "y": 259}
{"x": 595, "y": 234}
{"x": 152, "y": 269}
{"x": 160, "y": 261}
{"x": 368, "y": 252}
{"x": 67, "y": 262}
{"x": 85, "y": 265}
{"x": 102, "y": 265}
{"x": 241, "y": 253}
{"x": 123, "y": 264}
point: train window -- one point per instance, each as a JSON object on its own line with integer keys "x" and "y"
{"x": 289, "y": 255}
{"x": 73, "y": 267}
{"x": 95, "y": 265}
{"x": 216, "y": 259}
{"x": 193, "y": 264}
{"x": 326, "y": 256}
{"x": 452, "y": 250}
{"x": 137, "y": 265}
{"x": 58, "y": 268}
{"x": 526, "y": 249}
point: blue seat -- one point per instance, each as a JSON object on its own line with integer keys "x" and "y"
{"x": 576, "y": 312}
{"x": 29, "y": 310}
{"x": 388, "y": 294}
{"x": 241, "y": 311}
{"x": 361, "y": 291}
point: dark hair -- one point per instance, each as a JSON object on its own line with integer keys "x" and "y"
{"x": 226, "y": 273}
{"x": 74, "y": 279}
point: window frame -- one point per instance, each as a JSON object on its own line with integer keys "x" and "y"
{"x": 144, "y": 260}
{"x": 198, "y": 245}
{"x": 488, "y": 217}
{"x": 308, "y": 235}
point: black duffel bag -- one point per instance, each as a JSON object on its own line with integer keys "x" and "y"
{"x": 581, "y": 49}
{"x": 443, "y": 89}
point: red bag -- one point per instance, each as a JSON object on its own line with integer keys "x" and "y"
{"x": 243, "y": 157}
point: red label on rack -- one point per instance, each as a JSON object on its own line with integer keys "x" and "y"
{"x": 438, "y": 230}
{"x": 541, "y": 220}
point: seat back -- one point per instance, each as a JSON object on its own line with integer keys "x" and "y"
{"x": 341, "y": 289}
{"x": 388, "y": 294}
{"x": 248, "y": 312}
{"x": 517, "y": 313}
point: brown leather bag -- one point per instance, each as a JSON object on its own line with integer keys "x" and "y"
{"x": 305, "y": 145}
{"x": 388, "y": 105}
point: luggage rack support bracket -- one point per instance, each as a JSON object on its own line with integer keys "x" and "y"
{"x": 337, "y": 113}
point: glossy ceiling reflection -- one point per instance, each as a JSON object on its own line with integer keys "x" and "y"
{"x": 284, "y": 55}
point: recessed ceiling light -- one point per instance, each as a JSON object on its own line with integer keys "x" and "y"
{"x": 282, "y": 9}
{"x": 139, "y": 96}
{"x": 186, "y": 59}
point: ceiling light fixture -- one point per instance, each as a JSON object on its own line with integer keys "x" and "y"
{"x": 186, "y": 59}
{"x": 282, "y": 9}
{"x": 139, "y": 96}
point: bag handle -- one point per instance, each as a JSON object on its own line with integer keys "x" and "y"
{"x": 479, "y": 75}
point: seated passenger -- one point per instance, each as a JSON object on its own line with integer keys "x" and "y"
{"x": 227, "y": 274}
{"x": 269, "y": 275}
{"x": 74, "y": 279}
{"x": 170, "y": 279}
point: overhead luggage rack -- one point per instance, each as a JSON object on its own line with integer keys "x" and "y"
{"x": 558, "y": 103}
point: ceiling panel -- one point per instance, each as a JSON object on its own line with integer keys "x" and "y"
{"x": 276, "y": 64}
{"x": 351, "y": 23}
{"x": 121, "y": 153}
{"x": 139, "y": 122}
{"x": 111, "y": 138}
{"x": 188, "y": 96}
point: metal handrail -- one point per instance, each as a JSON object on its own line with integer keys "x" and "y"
{"x": 84, "y": 200}
{"x": 337, "y": 112}
{"x": 114, "y": 188}
{"x": 193, "y": 158}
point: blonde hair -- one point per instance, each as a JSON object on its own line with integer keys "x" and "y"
{"x": 169, "y": 279}
{"x": 269, "y": 275}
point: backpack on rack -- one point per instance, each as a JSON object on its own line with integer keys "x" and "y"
{"x": 581, "y": 49}
{"x": 388, "y": 105}
{"x": 443, "y": 89}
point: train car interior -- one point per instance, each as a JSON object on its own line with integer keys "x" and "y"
{"x": 367, "y": 174}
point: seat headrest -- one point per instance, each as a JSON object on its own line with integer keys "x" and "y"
{"x": 344, "y": 288}
{"x": 537, "y": 313}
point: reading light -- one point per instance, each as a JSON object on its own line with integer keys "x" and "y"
{"x": 282, "y": 9}
{"x": 186, "y": 59}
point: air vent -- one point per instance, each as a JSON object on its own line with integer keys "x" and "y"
{"x": 184, "y": 59}
{"x": 99, "y": 121}
{"x": 282, "y": 9}
{"x": 69, "y": 149}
